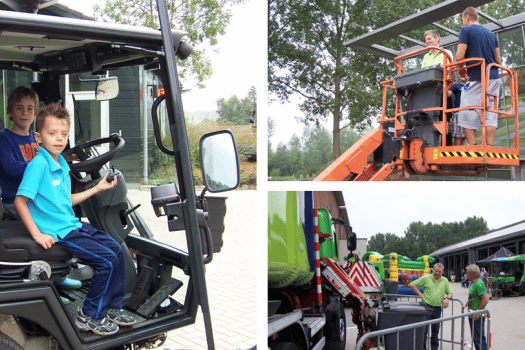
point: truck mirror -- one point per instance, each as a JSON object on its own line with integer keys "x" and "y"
{"x": 351, "y": 241}
{"x": 107, "y": 89}
{"x": 218, "y": 156}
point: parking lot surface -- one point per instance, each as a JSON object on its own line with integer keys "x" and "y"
{"x": 230, "y": 277}
{"x": 506, "y": 314}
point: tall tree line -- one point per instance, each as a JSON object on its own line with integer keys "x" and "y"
{"x": 423, "y": 239}
{"x": 305, "y": 155}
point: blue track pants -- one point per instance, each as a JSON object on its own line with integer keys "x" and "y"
{"x": 100, "y": 251}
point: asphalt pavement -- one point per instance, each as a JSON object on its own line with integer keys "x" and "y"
{"x": 505, "y": 314}
{"x": 231, "y": 277}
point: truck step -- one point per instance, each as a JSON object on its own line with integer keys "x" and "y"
{"x": 149, "y": 307}
{"x": 314, "y": 324}
{"x": 320, "y": 344}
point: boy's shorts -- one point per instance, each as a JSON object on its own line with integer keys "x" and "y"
{"x": 471, "y": 96}
{"x": 458, "y": 130}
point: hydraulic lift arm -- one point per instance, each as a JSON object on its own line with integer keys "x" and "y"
{"x": 354, "y": 160}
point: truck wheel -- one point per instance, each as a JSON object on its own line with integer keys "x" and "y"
{"x": 8, "y": 343}
{"x": 337, "y": 339}
{"x": 284, "y": 346}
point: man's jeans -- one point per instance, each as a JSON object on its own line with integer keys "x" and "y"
{"x": 478, "y": 333}
{"x": 434, "y": 342}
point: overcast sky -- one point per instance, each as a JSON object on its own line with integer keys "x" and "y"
{"x": 392, "y": 206}
{"x": 240, "y": 63}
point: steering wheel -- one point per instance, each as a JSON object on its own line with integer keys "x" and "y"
{"x": 94, "y": 164}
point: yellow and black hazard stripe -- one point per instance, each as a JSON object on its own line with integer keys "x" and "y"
{"x": 478, "y": 154}
{"x": 461, "y": 154}
{"x": 501, "y": 155}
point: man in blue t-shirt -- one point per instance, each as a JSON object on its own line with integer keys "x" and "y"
{"x": 477, "y": 41}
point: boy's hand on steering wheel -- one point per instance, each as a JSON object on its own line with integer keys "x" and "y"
{"x": 72, "y": 157}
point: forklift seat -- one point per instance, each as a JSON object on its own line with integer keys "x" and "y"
{"x": 17, "y": 245}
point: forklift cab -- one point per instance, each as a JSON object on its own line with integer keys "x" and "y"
{"x": 53, "y": 49}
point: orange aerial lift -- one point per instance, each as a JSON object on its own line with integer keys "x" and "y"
{"x": 415, "y": 138}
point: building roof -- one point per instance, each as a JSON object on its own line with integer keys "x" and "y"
{"x": 494, "y": 236}
{"x": 342, "y": 207}
{"x": 370, "y": 42}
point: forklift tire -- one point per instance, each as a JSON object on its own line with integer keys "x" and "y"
{"x": 284, "y": 346}
{"x": 8, "y": 343}
{"x": 337, "y": 338}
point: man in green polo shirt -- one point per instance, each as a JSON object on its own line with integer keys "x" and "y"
{"x": 435, "y": 287}
{"x": 434, "y": 56}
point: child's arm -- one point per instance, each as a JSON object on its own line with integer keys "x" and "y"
{"x": 103, "y": 185}
{"x": 44, "y": 240}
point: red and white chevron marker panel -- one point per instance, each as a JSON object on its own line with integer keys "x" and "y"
{"x": 361, "y": 274}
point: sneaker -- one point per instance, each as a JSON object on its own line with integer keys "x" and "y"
{"x": 100, "y": 327}
{"x": 64, "y": 300}
{"x": 120, "y": 317}
{"x": 68, "y": 283}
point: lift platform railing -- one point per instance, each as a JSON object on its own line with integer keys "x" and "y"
{"x": 449, "y": 68}
{"x": 415, "y": 138}
{"x": 443, "y": 125}
{"x": 514, "y": 109}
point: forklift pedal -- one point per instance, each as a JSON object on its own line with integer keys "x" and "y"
{"x": 141, "y": 290}
{"x": 81, "y": 273}
{"x": 149, "y": 307}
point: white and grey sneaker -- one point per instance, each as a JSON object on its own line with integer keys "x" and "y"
{"x": 120, "y": 317}
{"x": 100, "y": 327}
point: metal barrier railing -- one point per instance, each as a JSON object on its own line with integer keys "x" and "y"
{"x": 463, "y": 344}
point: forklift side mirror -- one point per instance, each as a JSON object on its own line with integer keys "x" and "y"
{"x": 107, "y": 89}
{"x": 220, "y": 166}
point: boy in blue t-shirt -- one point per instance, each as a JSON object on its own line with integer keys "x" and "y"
{"x": 455, "y": 89}
{"x": 44, "y": 203}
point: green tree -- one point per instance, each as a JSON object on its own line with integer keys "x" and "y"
{"x": 281, "y": 161}
{"x": 252, "y": 94}
{"x": 204, "y": 21}
{"x": 271, "y": 131}
{"x": 316, "y": 149}
{"x": 306, "y": 56}
{"x": 380, "y": 241}
{"x": 500, "y": 9}
{"x": 235, "y": 110}
{"x": 348, "y": 137}
{"x": 296, "y": 157}
{"x": 398, "y": 245}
